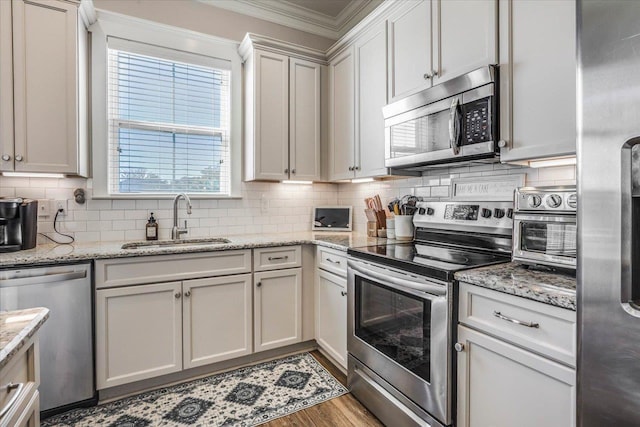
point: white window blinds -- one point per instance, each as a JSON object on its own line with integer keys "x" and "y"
{"x": 169, "y": 121}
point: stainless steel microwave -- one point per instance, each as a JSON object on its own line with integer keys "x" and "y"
{"x": 455, "y": 121}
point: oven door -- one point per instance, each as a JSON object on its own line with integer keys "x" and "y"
{"x": 400, "y": 328}
{"x": 545, "y": 239}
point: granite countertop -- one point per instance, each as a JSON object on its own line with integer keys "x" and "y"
{"x": 512, "y": 278}
{"x": 51, "y": 253}
{"x": 16, "y": 327}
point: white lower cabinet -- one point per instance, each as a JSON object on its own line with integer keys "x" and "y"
{"x": 139, "y": 333}
{"x": 277, "y": 302}
{"x": 144, "y": 331}
{"x": 331, "y": 315}
{"x": 501, "y": 385}
{"x": 216, "y": 319}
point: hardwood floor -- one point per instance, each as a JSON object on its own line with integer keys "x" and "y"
{"x": 343, "y": 411}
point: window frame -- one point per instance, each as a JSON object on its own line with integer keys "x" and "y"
{"x": 157, "y": 37}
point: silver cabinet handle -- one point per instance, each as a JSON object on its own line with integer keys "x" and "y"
{"x": 459, "y": 347}
{"x": 275, "y": 258}
{"x": 18, "y": 158}
{"x": 6, "y": 157}
{"x": 259, "y": 284}
{"x": 332, "y": 261}
{"x": 516, "y": 321}
{"x": 343, "y": 293}
{"x": 18, "y": 389}
{"x": 187, "y": 294}
{"x": 177, "y": 295}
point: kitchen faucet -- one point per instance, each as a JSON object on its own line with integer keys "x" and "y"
{"x": 176, "y": 232}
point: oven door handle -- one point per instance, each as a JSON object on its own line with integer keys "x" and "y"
{"x": 388, "y": 278}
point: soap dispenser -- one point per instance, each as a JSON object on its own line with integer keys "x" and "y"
{"x": 152, "y": 228}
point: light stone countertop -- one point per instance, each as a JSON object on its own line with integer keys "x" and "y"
{"x": 52, "y": 253}
{"x": 16, "y": 327}
{"x": 512, "y": 278}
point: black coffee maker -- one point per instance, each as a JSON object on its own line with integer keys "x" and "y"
{"x": 18, "y": 224}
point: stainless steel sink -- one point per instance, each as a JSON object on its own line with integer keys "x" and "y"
{"x": 175, "y": 243}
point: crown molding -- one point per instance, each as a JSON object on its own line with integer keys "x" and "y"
{"x": 298, "y": 17}
{"x": 251, "y": 41}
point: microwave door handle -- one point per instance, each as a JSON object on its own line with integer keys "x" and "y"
{"x": 454, "y": 126}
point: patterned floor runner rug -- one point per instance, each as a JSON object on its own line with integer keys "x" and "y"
{"x": 242, "y": 397}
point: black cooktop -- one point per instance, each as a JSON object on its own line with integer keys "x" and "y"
{"x": 431, "y": 260}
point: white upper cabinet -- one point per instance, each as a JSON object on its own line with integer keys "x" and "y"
{"x": 537, "y": 79}
{"x": 410, "y": 60}
{"x": 465, "y": 37}
{"x": 282, "y": 112}
{"x": 371, "y": 96}
{"x": 432, "y": 41}
{"x": 342, "y": 116}
{"x": 49, "y": 88}
{"x": 304, "y": 119}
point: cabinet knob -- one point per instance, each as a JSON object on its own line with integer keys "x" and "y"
{"x": 357, "y": 168}
{"x": 343, "y": 293}
{"x": 434, "y": 73}
{"x": 6, "y": 157}
{"x": 187, "y": 294}
{"x": 502, "y": 143}
{"x": 427, "y": 76}
{"x": 350, "y": 168}
{"x": 459, "y": 347}
{"x": 259, "y": 284}
{"x": 177, "y": 295}
{"x": 286, "y": 171}
{"x": 18, "y": 158}
{"x": 293, "y": 171}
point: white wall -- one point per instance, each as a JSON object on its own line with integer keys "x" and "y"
{"x": 289, "y": 206}
{"x": 434, "y": 185}
{"x": 200, "y": 17}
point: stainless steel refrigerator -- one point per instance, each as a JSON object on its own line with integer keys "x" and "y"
{"x": 609, "y": 213}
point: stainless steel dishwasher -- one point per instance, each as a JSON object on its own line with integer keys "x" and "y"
{"x": 66, "y": 339}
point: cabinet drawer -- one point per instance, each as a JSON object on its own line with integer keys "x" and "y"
{"x": 332, "y": 260}
{"x": 164, "y": 268}
{"x": 20, "y": 370}
{"x": 494, "y": 313}
{"x": 265, "y": 259}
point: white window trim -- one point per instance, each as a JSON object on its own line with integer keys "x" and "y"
{"x": 128, "y": 28}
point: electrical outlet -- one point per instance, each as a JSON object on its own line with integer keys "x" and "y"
{"x": 60, "y": 204}
{"x": 264, "y": 203}
{"x": 44, "y": 208}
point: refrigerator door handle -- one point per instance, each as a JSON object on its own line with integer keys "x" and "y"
{"x": 630, "y": 227}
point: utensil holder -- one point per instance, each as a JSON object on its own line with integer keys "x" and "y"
{"x": 372, "y": 228}
{"x": 391, "y": 228}
{"x": 404, "y": 227}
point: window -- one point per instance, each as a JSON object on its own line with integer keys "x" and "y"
{"x": 168, "y": 121}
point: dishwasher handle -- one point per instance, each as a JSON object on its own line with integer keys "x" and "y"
{"x": 43, "y": 279}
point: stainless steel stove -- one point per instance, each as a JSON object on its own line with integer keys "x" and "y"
{"x": 401, "y": 305}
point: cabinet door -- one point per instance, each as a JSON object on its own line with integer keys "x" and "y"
{"x": 410, "y": 62}
{"x": 342, "y": 116}
{"x": 465, "y": 37}
{"x": 501, "y": 385}
{"x": 277, "y": 308}
{"x": 138, "y": 333}
{"x": 537, "y": 78}
{"x": 6, "y": 88}
{"x": 271, "y": 133}
{"x": 216, "y": 319}
{"x": 331, "y": 312}
{"x": 304, "y": 119}
{"x": 45, "y": 86}
{"x": 371, "y": 96}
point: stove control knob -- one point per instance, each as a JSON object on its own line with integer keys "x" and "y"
{"x": 510, "y": 213}
{"x": 422, "y": 211}
{"x": 572, "y": 201}
{"x": 430, "y": 211}
{"x": 498, "y": 213}
{"x": 554, "y": 200}
{"x": 486, "y": 213}
{"x": 534, "y": 201}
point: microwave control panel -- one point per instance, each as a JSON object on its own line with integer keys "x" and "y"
{"x": 476, "y": 121}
